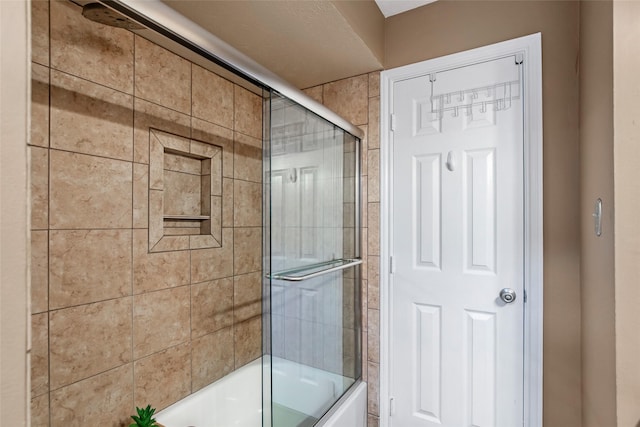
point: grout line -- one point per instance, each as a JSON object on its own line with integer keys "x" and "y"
{"x": 89, "y": 154}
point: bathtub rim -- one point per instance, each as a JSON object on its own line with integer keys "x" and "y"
{"x": 337, "y": 405}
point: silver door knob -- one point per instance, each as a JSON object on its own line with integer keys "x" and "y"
{"x": 508, "y": 295}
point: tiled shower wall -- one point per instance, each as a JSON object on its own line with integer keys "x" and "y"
{"x": 358, "y": 100}
{"x": 115, "y": 326}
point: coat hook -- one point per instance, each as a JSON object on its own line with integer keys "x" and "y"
{"x": 451, "y": 161}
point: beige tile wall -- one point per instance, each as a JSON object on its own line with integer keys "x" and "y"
{"x": 113, "y": 325}
{"x": 358, "y": 100}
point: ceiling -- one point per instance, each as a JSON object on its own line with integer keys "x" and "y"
{"x": 394, "y": 7}
{"x": 304, "y": 42}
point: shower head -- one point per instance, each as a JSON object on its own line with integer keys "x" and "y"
{"x": 98, "y": 12}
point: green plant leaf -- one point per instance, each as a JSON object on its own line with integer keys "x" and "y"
{"x": 144, "y": 417}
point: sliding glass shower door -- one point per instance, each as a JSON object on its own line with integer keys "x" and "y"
{"x": 312, "y": 286}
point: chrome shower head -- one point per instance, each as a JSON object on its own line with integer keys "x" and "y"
{"x": 98, "y": 12}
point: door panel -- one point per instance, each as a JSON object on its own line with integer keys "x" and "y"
{"x": 428, "y": 327}
{"x": 457, "y": 240}
{"x": 479, "y": 198}
{"x": 427, "y": 176}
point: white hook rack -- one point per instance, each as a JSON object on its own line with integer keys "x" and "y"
{"x": 499, "y": 96}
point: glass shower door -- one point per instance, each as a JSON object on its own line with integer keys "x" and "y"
{"x": 313, "y": 343}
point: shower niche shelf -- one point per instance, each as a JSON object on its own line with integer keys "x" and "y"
{"x": 187, "y": 217}
{"x": 185, "y": 193}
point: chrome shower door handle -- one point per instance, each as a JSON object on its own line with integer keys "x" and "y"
{"x": 508, "y": 295}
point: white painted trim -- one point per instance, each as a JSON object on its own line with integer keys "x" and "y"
{"x": 531, "y": 47}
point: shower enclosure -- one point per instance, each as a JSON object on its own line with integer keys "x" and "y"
{"x": 195, "y": 229}
{"x": 311, "y": 310}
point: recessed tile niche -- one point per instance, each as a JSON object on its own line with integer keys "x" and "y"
{"x": 185, "y": 193}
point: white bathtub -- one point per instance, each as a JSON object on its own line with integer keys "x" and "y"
{"x": 236, "y": 399}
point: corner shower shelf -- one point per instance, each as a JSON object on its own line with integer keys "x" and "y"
{"x": 187, "y": 217}
{"x": 292, "y": 275}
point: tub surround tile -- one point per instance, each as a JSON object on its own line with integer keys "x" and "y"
{"x": 39, "y": 170}
{"x": 248, "y": 158}
{"x": 364, "y": 205}
{"x": 227, "y": 202}
{"x": 247, "y": 296}
{"x": 373, "y": 343}
{"x": 364, "y": 309}
{"x": 91, "y": 199}
{"x": 211, "y": 306}
{"x": 39, "y": 100}
{"x": 171, "y": 141}
{"x": 182, "y": 193}
{"x": 212, "y": 357}
{"x": 40, "y": 31}
{"x": 212, "y": 97}
{"x": 365, "y": 356}
{"x": 87, "y": 266}
{"x": 373, "y": 282}
{"x": 155, "y": 271}
{"x": 163, "y": 378}
{"x": 374, "y": 84}
{"x": 214, "y": 263}
{"x": 348, "y": 302}
{"x": 314, "y": 93}
{"x": 39, "y": 354}
{"x": 216, "y": 135}
{"x": 180, "y": 163}
{"x": 364, "y": 253}
{"x": 241, "y": 138}
{"x": 156, "y": 161}
{"x": 147, "y": 116}
{"x": 364, "y": 147}
{"x": 39, "y": 271}
{"x": 247, "y": 204}
{"x": 84, "y": 48}
{"x": 247, "y": 117}
{"x": 140, "y": 195}
{"x": 348, "y": 98}
{"x": 160, "y": 320}
{"x": 103, "y": 400}
{"x": 348, "y": 242}
{"x": 156, "y": 224}
{"x": 374, "y": 122}
{"x": 103, "y": 342}
{"x": 171, "y": 243}
{"x": 373, "y": 181}
{"x": 247, "y": 341}
{"x": 89, "y": 118}
{"x": 40, "y": 411}
{"x": 349, "y": 164}
{"x": 216, "y": 226}
{"x": 208, "y": 241}
{"x": 215, "y": 170}
{"x": 247, "y": 250}
{"x": 89, "y": 192}
{"x": 373, "y": 387}
{"x": 162, "y": 77}
{"x": 373, "y": 214}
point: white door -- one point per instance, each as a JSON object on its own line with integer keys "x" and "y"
{"x": 456, "y": 355}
